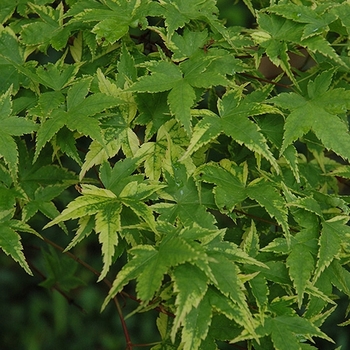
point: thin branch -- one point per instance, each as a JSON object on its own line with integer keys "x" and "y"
{"x": 258, "y": 218}
{"x": 266, "y": 80}
{"x": 105, "y": 281}
{"x": 70, "y": 300}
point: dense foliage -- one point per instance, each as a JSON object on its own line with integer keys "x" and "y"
{"x": 208, "y": 160}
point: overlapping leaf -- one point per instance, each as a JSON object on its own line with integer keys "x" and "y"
{"x": 78, "y": 114}
{"x": 185, "y": 202}
{"x": 231, "y": 189}
{"x": 106, "y": 207}
{"x": 180, "y": 80}
{"x": 151, "y": 263}
{"x": 319, "y": 112}
{"x": 47, "y": 29}
{"x": 178, "y": 13}
{"x": 234, "y": 121}
{"x": 113, "y": 18}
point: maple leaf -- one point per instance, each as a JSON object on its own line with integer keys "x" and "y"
{"x": 55, "y": 76}
{"x": 231, "y": 189}
{"x": 301, "y": 260}
{"x": 196, "y": 325}
{"x": 190, "y": 284}
{"x": 149, "y": 265}
{"x": 330, "y": 244}
{"x": 180, "y": 80}
{"x": 115, "y": 130}
{"x": 318, "y": 112}
{"x": 113, "y": 18}
{"x": 60, "y": 272}
{"x": 106, "y": 207}
{"x": 47, "y": 29}
{"x": 12, "y": 61}
{"x": 276, "y": 34}
{"x": 11, "y": 126}
{"x": 317, "y": 20}
{"x": 185, "y": 202}
{"x": 78, "y": 114}
{"x": 285, "y": 331}
{"x": 234, "y": 121}
{"x": 178, "y": 13}
{"x": 10, "y": 240}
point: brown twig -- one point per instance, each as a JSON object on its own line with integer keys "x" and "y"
{"x": 266, "y": 80}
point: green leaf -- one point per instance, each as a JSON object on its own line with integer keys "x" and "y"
{"x": 187, "y": 44}
{"x": 60, "y": 272}
{"x": 329, "y": 244}
{"x": 181, "y": 99}
{"x": 46, "y": 30}
{"x": 115, "y": 179}
{"x": 225, "y": 306}
{"x": 190, "y": 285}
{"x": 260, "y": 291}
{"x": 93, "y": 200}
{"x": 285, "y": 331}
{"x": 11, "y": 126}
{"x": 78, "y": 116}
{"x": 235, "y": 115}
{"x": 154, "y": 153}
{"x": 228, "y": 178}
{"x": 318, "y": 113}
{"x": 86, "y": 224}
{"x": 268, "y": 197}
{"x": 234, "y": 253}
{"x": 227, "y": 279}
{"x": 164, "y": 76}
{"x": 107, "y": 208}
{"x": 10, "y": 243}
{"x": 107, "y": 227}
{"x": 149, "y": 265}
{"x": 113, "y": 18}
{"x": 206, "y": 130}
{"x": 316, "y": 23}
{"x": 185, "y": 200}
{"x": 10, "y": 49}
{"x": 153, "y": 111}
{"x": 196, "y": 325}
{"x": 301, "y": 265}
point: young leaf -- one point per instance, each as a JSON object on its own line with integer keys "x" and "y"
{"x": 106, "y": 208}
